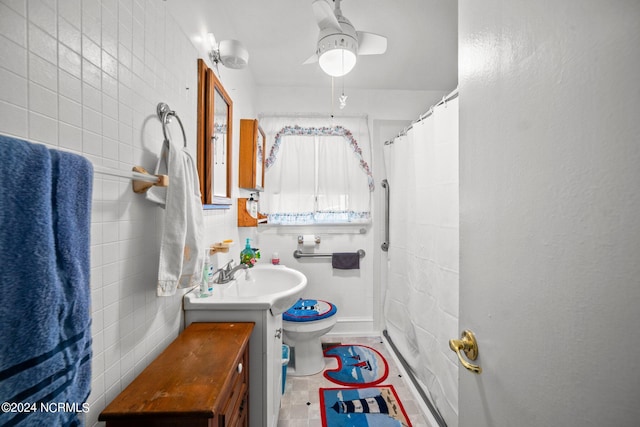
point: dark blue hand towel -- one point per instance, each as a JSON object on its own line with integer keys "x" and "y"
{"x": 45, "y": 333}
{"x": 345, "y": 260}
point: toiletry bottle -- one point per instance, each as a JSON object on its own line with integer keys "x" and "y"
{"x": 210, "y": 272}
{"x": 275, "y": 259}
{"x": 206, "y": 284}
{"x": 248, "y": 256}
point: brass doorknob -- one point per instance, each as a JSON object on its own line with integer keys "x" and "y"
{"x": 469, "y": 345}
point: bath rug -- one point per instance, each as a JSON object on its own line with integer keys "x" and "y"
{"x": 377, "y": 406}
{"x": 357, "y": 365}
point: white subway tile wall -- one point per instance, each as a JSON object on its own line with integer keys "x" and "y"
{"x": 86, "y": 76}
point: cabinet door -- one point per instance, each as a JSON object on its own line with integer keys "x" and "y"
{"x": 260, "y": 158}
{"x": 252, "y": 155}
{"x": 274, "y": 367}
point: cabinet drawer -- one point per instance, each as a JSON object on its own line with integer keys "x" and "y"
{"x": 237, "y": 409}
{"x": 236, "y": 406}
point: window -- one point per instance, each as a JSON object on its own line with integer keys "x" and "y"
{"x": 317, "y": 174}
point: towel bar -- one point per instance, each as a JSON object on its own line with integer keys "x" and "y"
{"x": 141, "y": 186}
{"x": 298, "y": 254}
{"x": 141, "y": 179}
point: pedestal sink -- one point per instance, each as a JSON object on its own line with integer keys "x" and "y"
{"x": 263, "y": 287}
{"x": 260, "y": 295}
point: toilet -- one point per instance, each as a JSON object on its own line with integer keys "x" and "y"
{"x": 303, "y": 325}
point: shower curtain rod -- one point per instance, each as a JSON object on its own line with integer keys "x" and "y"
{"x": 453, "y": 95}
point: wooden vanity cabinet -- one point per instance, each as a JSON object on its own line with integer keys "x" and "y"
{"x": 201, "y": 380}
{"x": 252, "y": 155}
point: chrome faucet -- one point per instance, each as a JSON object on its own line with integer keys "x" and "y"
{"x": 227, "y": 273}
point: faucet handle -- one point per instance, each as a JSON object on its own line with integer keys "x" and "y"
{"x": 228, "y": 266}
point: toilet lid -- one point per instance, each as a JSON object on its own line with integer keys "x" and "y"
{"x": 306, "y": 310}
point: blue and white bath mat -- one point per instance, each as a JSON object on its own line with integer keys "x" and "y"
{"x": 377, "y": 406}
{"x": 357, "y": 365}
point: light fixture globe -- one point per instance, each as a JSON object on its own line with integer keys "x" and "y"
{"x": 339, "y": 43}
{"x": 337, "y": 54}
{"x": 233, "y": 54}
{"x": 337, "y": 62}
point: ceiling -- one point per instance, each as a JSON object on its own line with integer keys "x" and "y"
{"x": 281, "y": 34}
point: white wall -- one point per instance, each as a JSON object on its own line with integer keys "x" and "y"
{"x": 356, "y": 293}
{"x": 378, "y": 104}
{"x": 86, "y": 76}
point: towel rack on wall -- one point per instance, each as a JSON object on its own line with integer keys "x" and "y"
{"x": 141, "y": 179}
{"x": 298, "y": 254}
{"x": 164, "y": 114}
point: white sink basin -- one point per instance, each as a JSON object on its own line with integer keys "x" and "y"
{"x": 263, "y": 287}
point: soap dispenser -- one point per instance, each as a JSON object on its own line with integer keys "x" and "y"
{"x": 248, "y": 255}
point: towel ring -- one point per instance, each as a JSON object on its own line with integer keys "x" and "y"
{"x": 164, "y": 114}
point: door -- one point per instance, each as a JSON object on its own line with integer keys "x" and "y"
{"x": 273, "y": 363}
{"x": 550, "y": 212}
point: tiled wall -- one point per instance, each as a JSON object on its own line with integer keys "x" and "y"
{"x": 86, "y": 76}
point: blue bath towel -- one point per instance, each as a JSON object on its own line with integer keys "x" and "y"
{"x": 45, "y": 321}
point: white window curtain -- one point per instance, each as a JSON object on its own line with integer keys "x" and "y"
{"x": 317, "y": 170}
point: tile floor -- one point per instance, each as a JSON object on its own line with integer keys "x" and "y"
{"x": 301, "y": 401}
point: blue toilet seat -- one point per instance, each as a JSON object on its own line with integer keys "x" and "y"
{"x": 308, "y": 310}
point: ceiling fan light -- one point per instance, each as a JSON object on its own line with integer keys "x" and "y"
{"x": 337, "y": 62}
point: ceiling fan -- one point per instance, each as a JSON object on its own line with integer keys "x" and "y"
{"x": 339, "y": 43}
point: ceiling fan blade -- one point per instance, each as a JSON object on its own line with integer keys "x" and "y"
{"x": 311, "y": 60}
{"x": 325, "y": 16}
{"x": 371, "y": 44}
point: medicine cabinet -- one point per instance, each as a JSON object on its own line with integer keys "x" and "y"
{"x": 252, "y": 155}
{"x": 215, "y": 114}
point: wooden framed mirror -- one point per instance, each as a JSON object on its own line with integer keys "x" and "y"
{"x": 215, "y": 118}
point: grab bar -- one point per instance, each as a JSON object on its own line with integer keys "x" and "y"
{"x": 298, "y": 254}
{"x": 385, "y": 185}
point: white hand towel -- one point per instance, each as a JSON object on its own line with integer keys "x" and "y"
{"x": 159, "y": 194}
{"x": 181, "y": 248}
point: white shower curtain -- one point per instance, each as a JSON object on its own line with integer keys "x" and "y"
{"x": 421, "y": 299}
